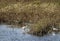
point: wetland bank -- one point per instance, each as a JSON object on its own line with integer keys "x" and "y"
{"x": 41, "y": 16}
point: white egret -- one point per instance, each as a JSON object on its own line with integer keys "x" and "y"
{"x": 55, "y": 29}
{"x": 25, "y": 28}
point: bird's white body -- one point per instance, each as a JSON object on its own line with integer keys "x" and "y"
{"x": 55, "y": 29}
{"x": 25, "y": 29}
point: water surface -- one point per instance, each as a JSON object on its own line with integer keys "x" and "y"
{"x": 17, "y": 34}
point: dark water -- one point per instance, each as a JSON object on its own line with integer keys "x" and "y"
{"x": 17, "y": 34}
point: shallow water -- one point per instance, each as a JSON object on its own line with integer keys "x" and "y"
{"x": 17, "y": 34}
